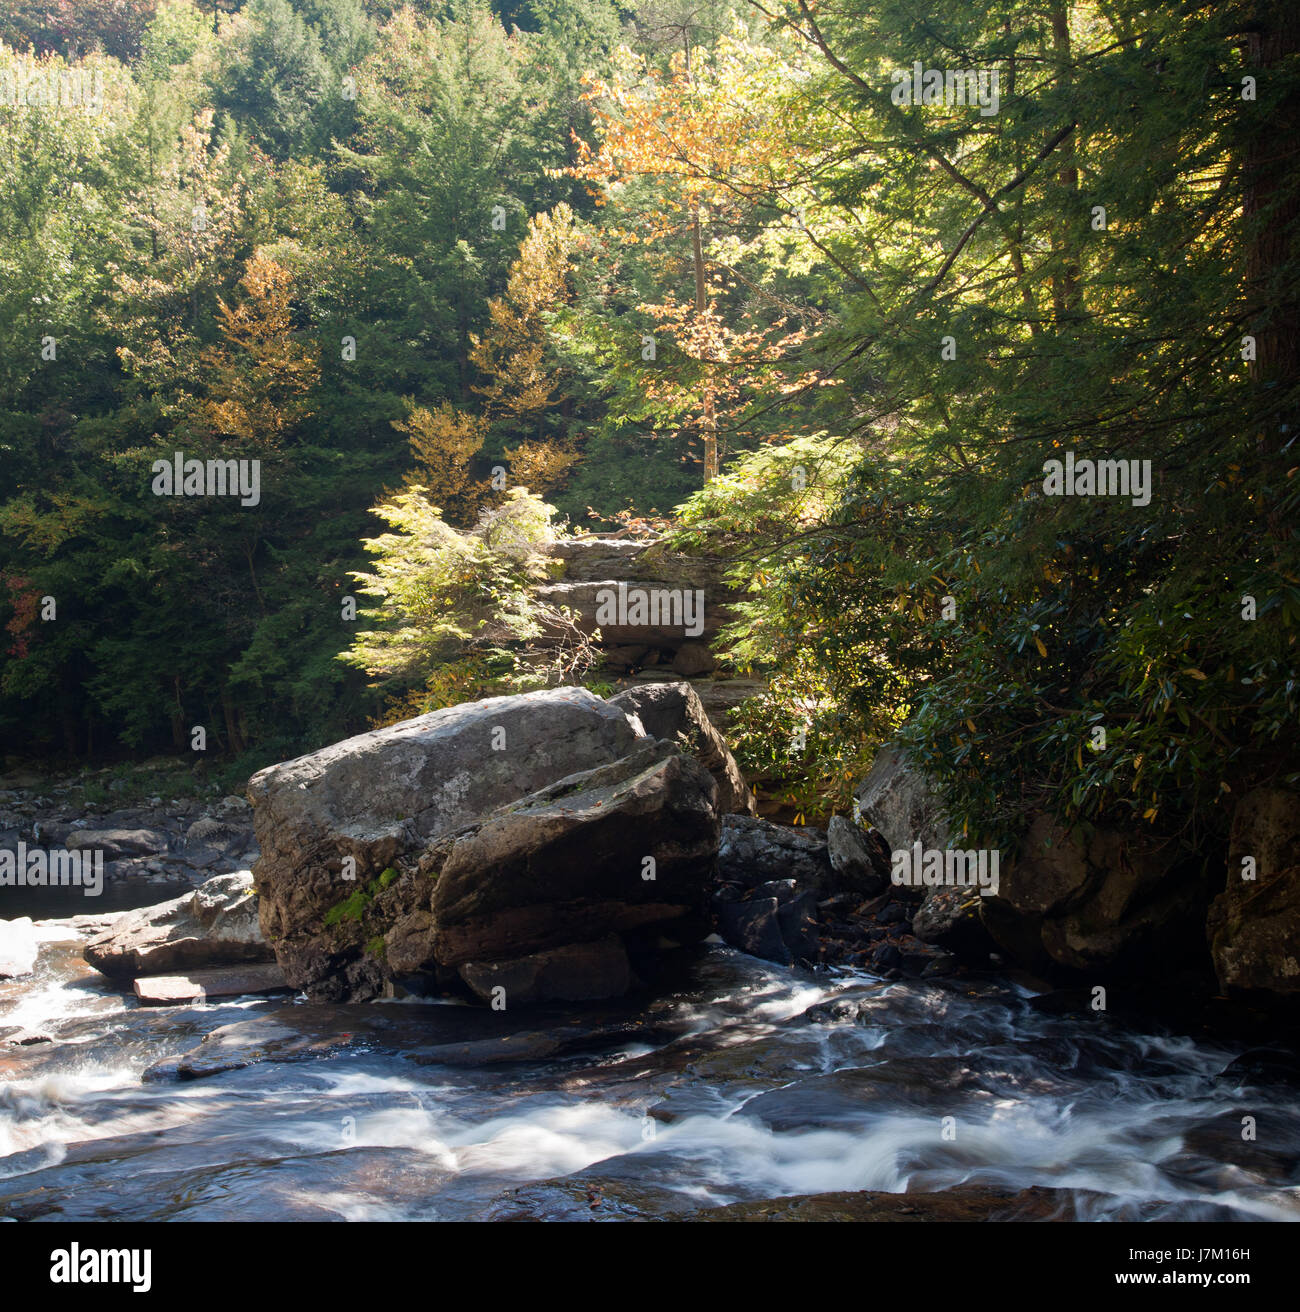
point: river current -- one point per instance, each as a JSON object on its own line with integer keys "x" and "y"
{"x": 737, "y": 1080}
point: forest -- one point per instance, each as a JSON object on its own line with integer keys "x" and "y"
{"x": 772, "y": 280}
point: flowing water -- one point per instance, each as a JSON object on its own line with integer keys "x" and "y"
{"x": 739, "y": 1081}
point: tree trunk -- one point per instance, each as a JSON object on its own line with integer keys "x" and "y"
{"x": 701, "y": 302}
{"x": 1065, "y": 284}
{"x": 1271, "y": 209}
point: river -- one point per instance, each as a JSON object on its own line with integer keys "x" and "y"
{"x": 736, "y": 1081}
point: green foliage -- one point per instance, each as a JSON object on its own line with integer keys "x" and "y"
{"x": 806, "y": 739}
{"x": 945, "y": 588}
{"x": 441, "y": 589}
{"x": 457, "y": 608}
{"x": 352, "y": 908}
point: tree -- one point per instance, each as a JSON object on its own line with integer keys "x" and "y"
{"x": 1070, "y": 274}
{"x": 700, "y": 140}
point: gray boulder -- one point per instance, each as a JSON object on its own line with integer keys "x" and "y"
{"x": 898, "y": 800}
{"x": 216, "y": 925}
{"x": 674, "y": 712}
{"x": 753, "y": 851}
{"x": 479, "y": 836}
{"x": 225, "y": 837}
{"x": 115, "y": 843}
{"x": 851, "y": 858}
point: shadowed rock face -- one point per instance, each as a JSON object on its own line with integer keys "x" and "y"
{"x": 897, "y": 799}
{"x": 481, "y": 835}
{"x": 1112, "y": 902}
{"x": 568, "y": 863}
{"x": 1253, "y": 926}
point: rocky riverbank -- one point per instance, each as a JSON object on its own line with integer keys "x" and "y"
{"x": 152, "y": 848}
{"x": 546, "y": 847}
{"x": 573, "y": 977}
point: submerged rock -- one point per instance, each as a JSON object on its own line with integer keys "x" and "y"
{"x": 965, "y": 1203}
{"x": 425, "y": 1034}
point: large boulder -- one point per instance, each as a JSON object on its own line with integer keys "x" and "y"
{"x": 1104, "y": 902}
{"x": 480, "y": 836}
{"x": 753, "y": 851}
{"x": 216, "y": 925}
{"x": 390, "y": 790}
{"x": 857, "y": 868}
{"x": 899, "y": 801}
{"x": 674, "y": 712}
{"x": 1254, "y": 924}
{"x": 571, "y": 862}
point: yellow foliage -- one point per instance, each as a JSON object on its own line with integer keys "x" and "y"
{"x": 540, "y": 466}
{"x": 443, "y": 444}
{"x": 261, "y": 374}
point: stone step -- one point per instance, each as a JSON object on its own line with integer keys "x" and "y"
{"x": 203, "y": 985}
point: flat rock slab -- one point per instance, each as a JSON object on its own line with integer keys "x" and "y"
{"x": 214, "y": 926}
{"x": 965, "y": 1203}
{"x": 199, "y": 985}
{"x": 424, "y": 1033}
{"x": 599, "y": 1194}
